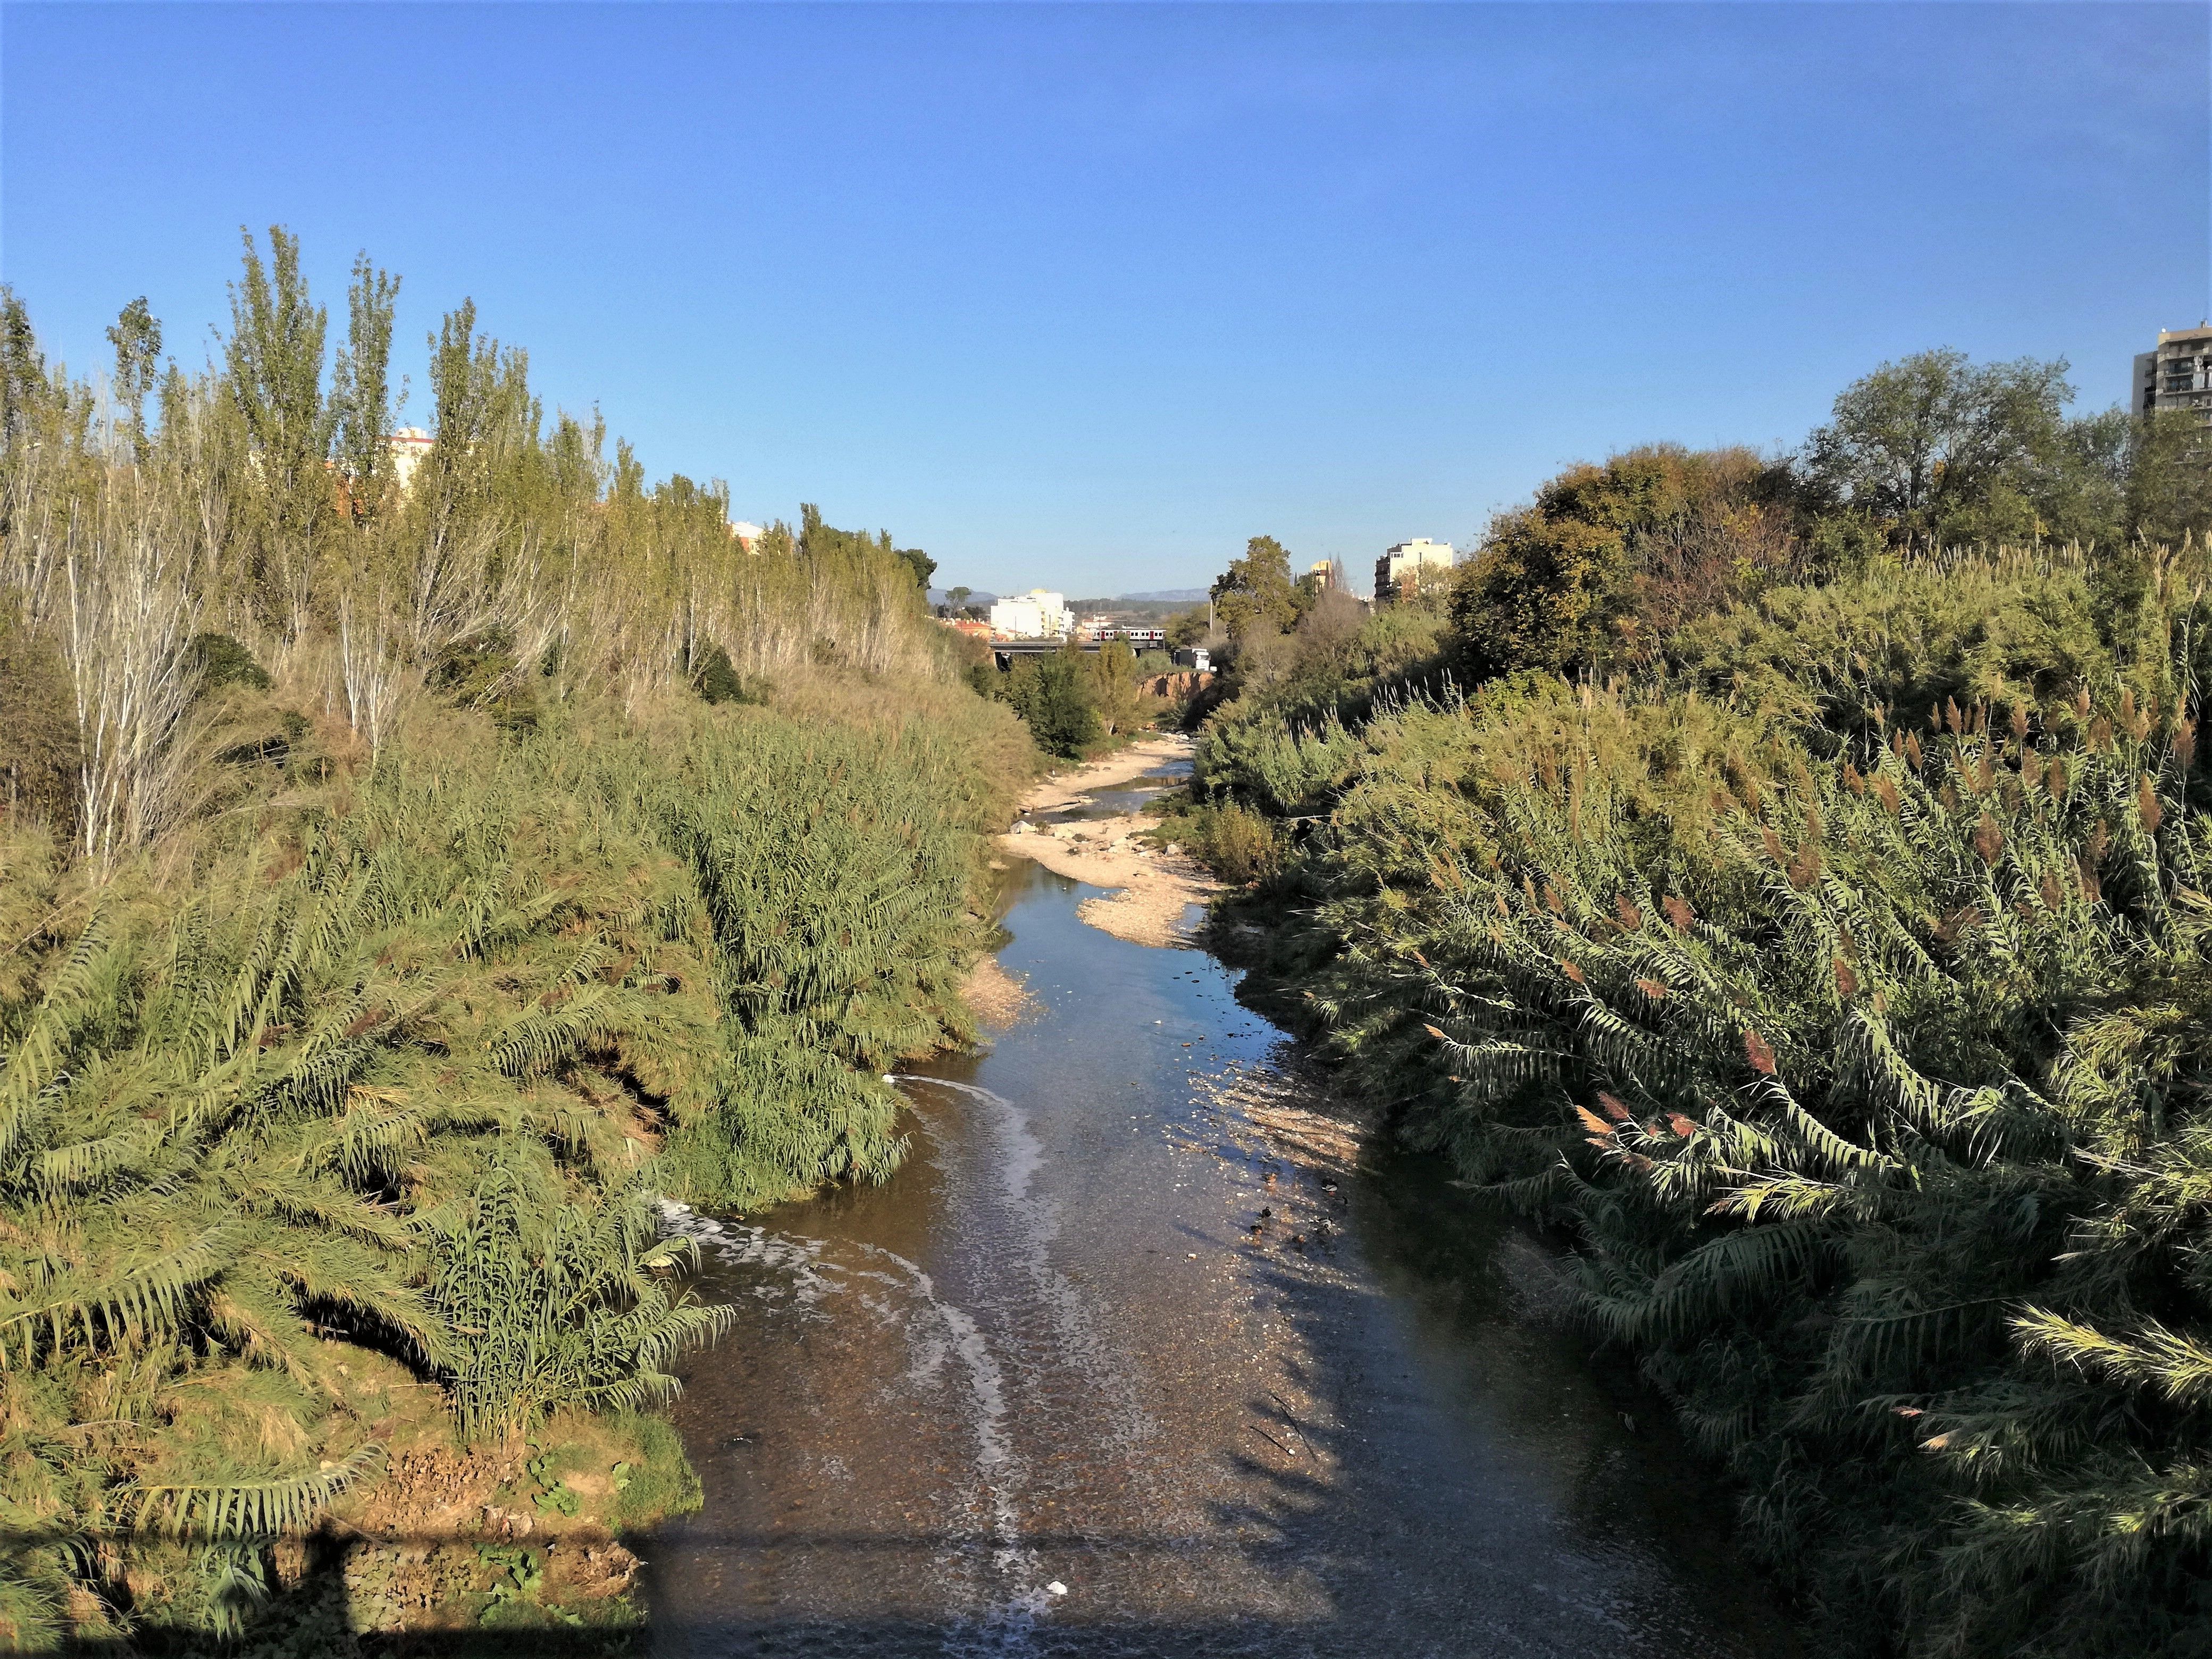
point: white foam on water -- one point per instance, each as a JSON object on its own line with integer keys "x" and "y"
{"x": 1078, "y": 1339}
{"x": 1006, "y": 1626}
{"x": 935, "y": 1333}
{"x": 799, "y": 1275}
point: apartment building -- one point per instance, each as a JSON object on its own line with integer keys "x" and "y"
{"x": 1405, "y": 570}
{"x": 1036, "y": 614}
{"x": 2178, "y": 375}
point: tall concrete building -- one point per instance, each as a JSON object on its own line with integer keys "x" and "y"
{"x": 1405, "y": 570}
{"x": 2178, "y": 375}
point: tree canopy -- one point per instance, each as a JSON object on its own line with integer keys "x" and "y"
{"x": 1254, "y": 595}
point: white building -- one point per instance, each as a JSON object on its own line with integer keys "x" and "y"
{"x": 746, "y": 536}
{"x": 1405, "y": 570}
{"x": 1036, "y": 614}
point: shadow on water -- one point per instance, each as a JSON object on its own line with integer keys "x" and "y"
{"x": 1112, "y": 1369}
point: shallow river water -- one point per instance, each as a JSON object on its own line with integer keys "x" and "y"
{"x": 1143, "y": 1353}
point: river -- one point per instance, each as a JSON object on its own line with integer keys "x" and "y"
{"x": 1144, "y": 1352}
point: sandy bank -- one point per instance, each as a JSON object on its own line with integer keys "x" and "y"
{"x": 1153, "y": 890}
{"x": 995, "y": 996}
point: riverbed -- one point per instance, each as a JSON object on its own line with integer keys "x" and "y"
{"x": 1150, "y": 1349}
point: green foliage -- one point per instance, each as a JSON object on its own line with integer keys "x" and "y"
{"x": 361, "y": 390}
{"x": 561, "y": 1308}
{"x": 1254, "y": 597}
{"x": 717, "y": 680}
{"x": 1935, "y": 447}
{"x": 661, "y": 1484}
{"x": 136, "y": 336}
{"x": 397, "y": 1078}
{"x": 1190, "y": 628}
{"x": 337, "y": 1096}
{"x": 1609, "y": 564}
{"x": 220, "y": 660}
{"x": 274, "y": 364}
{"x": 832, "y": 873}
{"x": 482, "y": 672}
{"x": 25, "y": 392}
{"x": 1054, "y": 694}
{"x": 1112, "y": 670}
{"x": 920, "y": 562}
{"x": 1842, "y": 984}
{"x": 330, "y": 1101}
{"x": 1610, "y": 557}
{"x": 2169, "y": 479}
{"x": 1335, "y": 663}
{"x": 41, "y": 748}
{"x": 1239, "y": 844}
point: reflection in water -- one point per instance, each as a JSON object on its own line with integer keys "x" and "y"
{"x": 1123, "y": 1363}
{"x": 1117, "y": 800}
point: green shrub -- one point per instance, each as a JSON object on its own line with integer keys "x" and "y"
{"x": 717, "y": 681}
{"x": 1052, "y": 692}
{"x": 481, "y": 672}
{"x": 1238, "y": 844}
{"x": 221, "y": 660}
{"x": 389, "y": 1085}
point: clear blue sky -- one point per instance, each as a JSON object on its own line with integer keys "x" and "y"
{"x": 1086, "y": 296}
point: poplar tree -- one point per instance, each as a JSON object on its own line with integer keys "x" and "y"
{"x": 275, "y": 359}
{"x": 24, "y": 387}
{"x": 136, "y": 336}
{"x": 360, "y": 392}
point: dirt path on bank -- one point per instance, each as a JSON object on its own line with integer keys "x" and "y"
{"x": 1154, "y": 890}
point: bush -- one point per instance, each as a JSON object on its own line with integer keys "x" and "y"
{"x": 1237, "y": 844}
{"x": 40, "y": 747}
{"x": 1052, "y": 694}
{"x": 221, "y": 660}
{"x": 718, "y": 682}
{"x": 481, "y": 672}
{"x": 389, "y": 1085}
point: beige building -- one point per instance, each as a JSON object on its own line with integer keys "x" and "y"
{"x": 1405, "y": 570}
{"x": 407, "y": 446}
{"x": 2178, "y": 375}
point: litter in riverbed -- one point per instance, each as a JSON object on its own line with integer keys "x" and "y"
{"x": 1055, "y": 1587}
